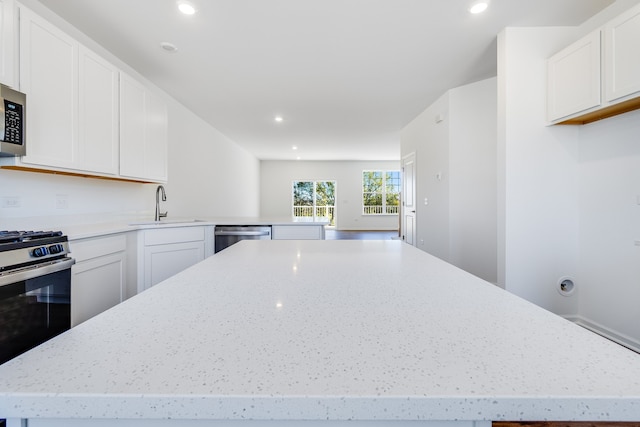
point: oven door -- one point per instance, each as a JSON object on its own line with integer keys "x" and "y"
{"x": 35, "y": 305}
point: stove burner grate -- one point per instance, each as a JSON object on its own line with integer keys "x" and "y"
{"x": 26, "y": 236}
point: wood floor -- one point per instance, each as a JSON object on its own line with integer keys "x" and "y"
{"x": 563, "y": 424}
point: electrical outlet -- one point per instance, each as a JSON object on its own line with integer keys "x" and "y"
{"x": 62, "y": 201}
{"x": 11, "y": 202}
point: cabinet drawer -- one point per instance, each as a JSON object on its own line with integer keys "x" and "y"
{"x": 297, "y": 232}
{"x": 173, "y": 235}
{"x": 90, "y": 248}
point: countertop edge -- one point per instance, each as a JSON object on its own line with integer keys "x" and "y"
{"x": 85, "y": 231}
{"x": 387, "y": 408}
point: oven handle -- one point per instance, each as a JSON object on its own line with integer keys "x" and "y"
{"x": 241, "y": 233}
{"x": 35, "y": 271}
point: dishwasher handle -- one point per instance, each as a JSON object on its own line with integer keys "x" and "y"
{"x": 242, "y": 233}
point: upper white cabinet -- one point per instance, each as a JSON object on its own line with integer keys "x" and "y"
{"x": 574, "y": 78}
{"x": 81, "y": 119}
{"x": 8, "y": 43}
{"x": 143, "y": 132}
{"x": 72, "y": 118}
{"x": 98, "y": 113}
{"x": 599, "y": 75}
{"x": 622, "y": 55}
{"x": 49, "y": 77}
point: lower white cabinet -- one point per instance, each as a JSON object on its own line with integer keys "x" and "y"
{"x": 98, "y": 278}
{"x": 167, "y": 251}
{"x": 297, "y": 232}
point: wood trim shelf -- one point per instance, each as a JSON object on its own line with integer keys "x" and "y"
{"x": 603, "y": 113}
{"x": 78, "y": 174}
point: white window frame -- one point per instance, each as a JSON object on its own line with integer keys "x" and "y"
{"x": 366, "y": 210}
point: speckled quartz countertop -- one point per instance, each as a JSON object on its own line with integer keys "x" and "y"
{"x": 81, "y": 227}
{"x": 325, "y": 330}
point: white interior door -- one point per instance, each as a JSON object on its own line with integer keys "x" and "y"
{"x": 409, "y": 199}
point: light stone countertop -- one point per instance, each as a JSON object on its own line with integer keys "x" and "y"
{"x": 80, "y": 228}
{"x": 325, "y": 330}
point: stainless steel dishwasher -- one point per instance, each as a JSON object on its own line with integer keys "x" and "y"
{"x": 227, "y": 235}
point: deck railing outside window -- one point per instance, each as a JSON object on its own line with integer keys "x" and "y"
{"x": 323, "y": 213}
{"x": 379, "y": 210}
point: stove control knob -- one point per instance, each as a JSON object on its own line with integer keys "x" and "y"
{"x": 39, "y": 252}
{"x": 55, "y": 249}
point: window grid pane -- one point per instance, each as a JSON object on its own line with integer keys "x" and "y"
{"x": 380, "y": 192}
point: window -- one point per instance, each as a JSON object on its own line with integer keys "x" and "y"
{"x": 380, "y": 192}
{"x": 314, "y": 201}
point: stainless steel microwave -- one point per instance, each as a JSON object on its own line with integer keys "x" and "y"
{"x": 12, "y": 122}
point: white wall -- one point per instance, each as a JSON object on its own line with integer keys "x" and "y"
{"x": 609, "y": 269}
{"x": 455, "y": 144}
{"x": 276, "y": 179}
{"x": 568, "y": 195}
{"x": 537, "y": 170}
{"x": 473, "y": 177}
{"x": 430, "y": 142}
{"x": 209, "y": 175}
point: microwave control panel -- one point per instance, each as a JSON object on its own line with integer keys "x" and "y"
{"x": 13, "y": 123}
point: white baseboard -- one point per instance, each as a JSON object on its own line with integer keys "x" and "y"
{"x": 622, "y": 339}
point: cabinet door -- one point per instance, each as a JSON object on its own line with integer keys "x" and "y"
{"x": 96, "y": 285}
{"x": 132, "y": 120}
{"x": 98, "y": 113}
{"x": 297, "y": 232}
{"x": 573, "y": 83}
{"x": 143, "y": 132}
{"x": 156, "y": 138}
{"x": 8, "y": 44}
{"x": 622, "y": 55}
{"x": 48, "y": 74}
{"x": 163, "y": 261}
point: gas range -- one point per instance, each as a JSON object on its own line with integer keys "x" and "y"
{"x": 35, "y": 289}
{"x": 21, "y": 248}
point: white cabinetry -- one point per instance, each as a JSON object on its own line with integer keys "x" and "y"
{"x": 167, "y": 251}
{"x": 622, "y": 55}
{"x": 297, "y": 232}
{"x": 98, "y": 113}
{"x": 49, "y": 76}
{"x": 143, "y": 132}
{"x": 77, "y": 122}
{"x": 8, "y": 43}
{"x": 574, "y": 78}
{"x": 593, "y": 79}
{"x": 72, "y": 114}
{"x": 98, "y": 279}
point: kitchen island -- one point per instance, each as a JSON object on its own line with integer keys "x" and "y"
{"x": 270, "y": 332}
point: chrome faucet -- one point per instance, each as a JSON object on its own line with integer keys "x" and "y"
{"x": 164, "y": 199}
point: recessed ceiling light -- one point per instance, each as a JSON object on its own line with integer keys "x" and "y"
{"x": 278, "y": 119}
{"x": 294, "y": 147}
{"x": 186, "y": 7}
{"x": 169, "y": 47}
{"x": 478, "y": 7}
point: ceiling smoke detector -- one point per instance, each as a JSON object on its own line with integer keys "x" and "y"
{"x": 169, "y": 47}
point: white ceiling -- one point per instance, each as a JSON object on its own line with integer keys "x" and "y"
{"x": 346, "y": 75}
